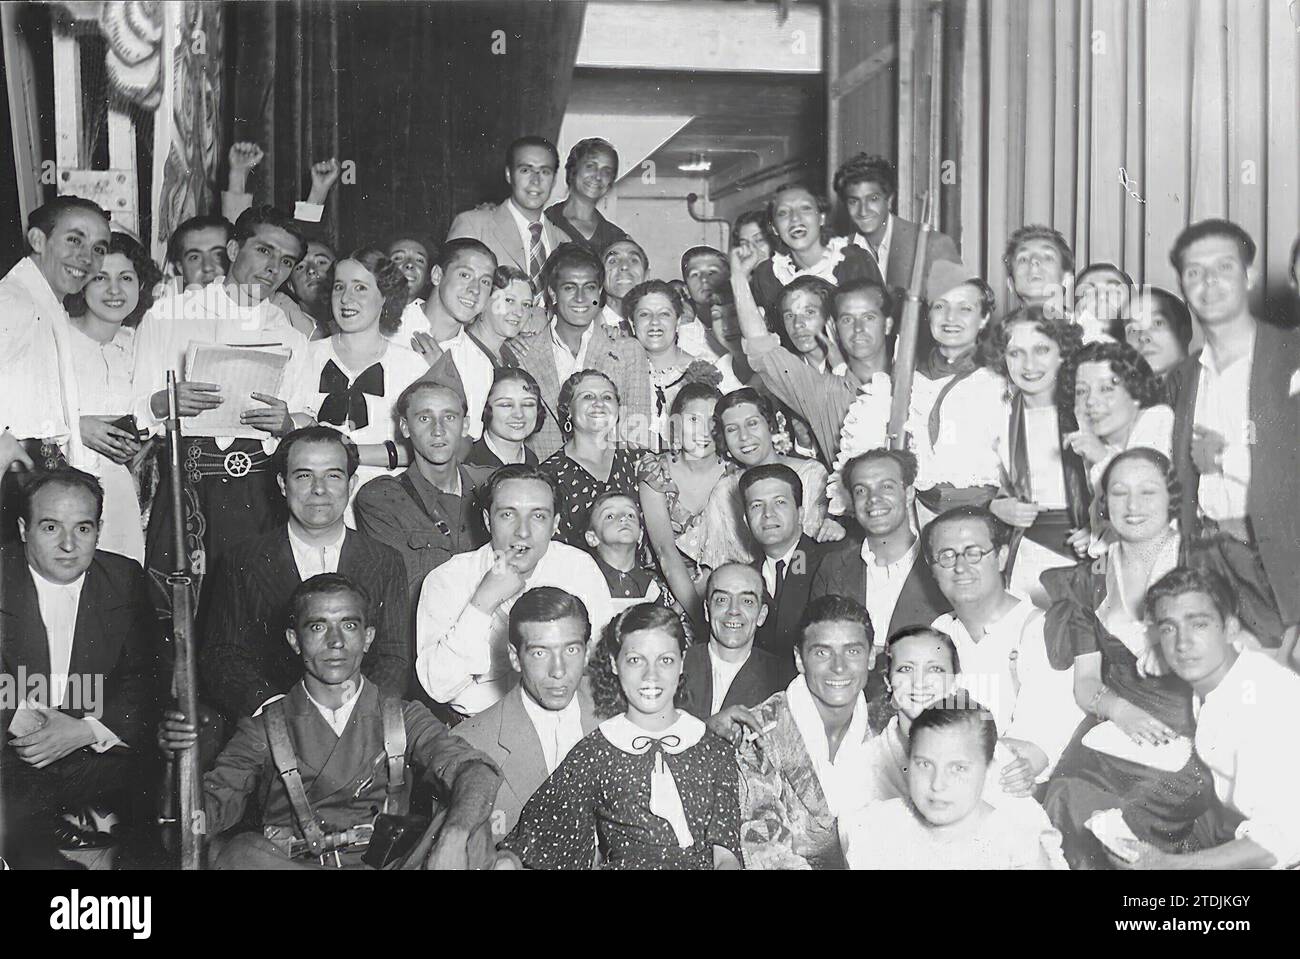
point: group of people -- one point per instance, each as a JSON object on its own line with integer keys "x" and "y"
{"x": 535, "y": 557}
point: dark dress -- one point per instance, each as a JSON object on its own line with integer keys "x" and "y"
{"x": 480, "y": 454}
{"x": 857, "y": 264}
{"x": 602, "y": 792}
{"x": 576, "y": 489}
{"x": 606, "y": 232}
{"x": 1160, "y": 807}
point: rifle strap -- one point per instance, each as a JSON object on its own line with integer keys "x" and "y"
{"x": 286, "y": 764}
{"x": 390, "y": 710}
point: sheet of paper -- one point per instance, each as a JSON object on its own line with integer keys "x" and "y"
{"x": 239, "y": 371}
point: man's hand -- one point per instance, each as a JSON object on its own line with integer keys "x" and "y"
{"x": 60, "y": 735}
{"x": 175, "y": 734}
{"x": 499, "y": 583}
{"x": 1015, "y": 513}
{"x": 275, "y": 419}
{"x": 98, "y": 433}
{"x": 324, "y": 174}
{"x": 733, "y": 723}
{"x": 426, "y": 346}
{"x": 243, "y": 156}
{"x": 1019, "y": 775}
{"x": 830, "y": 531}
{"x": 12, "y": 453}
{"x": 743, "y": 260}
{"x": 191, "y": 399}
{"x": 1207, "y": 450}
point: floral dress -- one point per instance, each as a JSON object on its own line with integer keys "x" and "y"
{"x": 688, "y": 528}
{"x": 648, "y": 802}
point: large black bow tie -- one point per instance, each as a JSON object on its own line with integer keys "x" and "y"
{"x": 347, "y": 403}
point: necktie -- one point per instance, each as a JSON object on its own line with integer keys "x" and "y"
{"x": 536, "y": 255}
{"x": 780, "y": 579}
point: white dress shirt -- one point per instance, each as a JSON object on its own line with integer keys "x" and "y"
{"x": 566, "y": 363}
{"x": 1242, "y": 730}
{"x": 847, "y": 779}
{"x": 461, "y": 655}
{"x": 413, "y": 321}
{"x": 336, "y": 718}
{"x": 612, "y": 319}
{"x": 881, "y": 255}
{"x": 885, "y": 583}
{"x": 1223, "y": 405}
{"x": 58, "y": 604}
{"x": 209, "y": 315}
{"x": 558, "y": 729}
{"x": 476, "y": 374}
{"x": 769, "y": 568}
{"x": 312, "y": 559}
{"x": 723, "y": 674}
{"x": 1008, "y": 673}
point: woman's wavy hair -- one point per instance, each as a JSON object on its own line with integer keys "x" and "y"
{"x": 508, "y": 374}
{"x": 583, "y": 149}
{"x": 1128, "y": 364}
{"x": 646, "y": 288}
{"x": 993, "y": 346}
{"x": 1157, "y": 459}
{"x": 760, "y": 219}
{"x": 738, "y": 398}
{"x": 823, "y": 207}
{"x": 146, "y": 272}
{"x": 606, "y": 690}
{"x": 507, "y": 274}
{"x": 388, "y": 278}
{"x": 564, "y": 407}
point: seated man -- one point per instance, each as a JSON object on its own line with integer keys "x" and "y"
{"x": 78, "y": 640}
{"x": 530, "y": 730}
{"x": 574, "y": 339}
{"x": 1249, "y": 703}
{"x": 728, "y": 670}
{"x": 462, "y": 622}
{"x": 885, "y": 571}
{"x": 772, "y": 496}
{"x": 243, "y": 662}
{"x": 428, "y": 513}
{"x": 808, "y": 762}
{"x": 301, "y": 756}
{"x": 1000, "y": 644}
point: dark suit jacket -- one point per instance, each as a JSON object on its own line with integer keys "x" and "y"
{"x": 777, "y": 634}
{"x": 504, "y": 733}
{"x": 844, "y": 573}
{"x": 245, "y": 659}
{"x": 116, "y": 636}
{"x": 761, "y": 676}
{"x": 902, "y": 252}
{"x": 1273, "y": 501}
{"x": 344, "y": 776}
{"x": 385, "y": 512}
{"x": 622, "y": 359}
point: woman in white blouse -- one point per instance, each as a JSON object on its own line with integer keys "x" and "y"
{"x": 104, "y": 316}
{"x": 353, "y": 378}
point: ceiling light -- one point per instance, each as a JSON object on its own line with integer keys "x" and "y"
{"x": 697, "y": 164}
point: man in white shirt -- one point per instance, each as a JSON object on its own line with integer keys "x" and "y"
{"x": 354, "y": 749}
{"x": 1000, "y": 643}
{"x": 462, "y": 623}
{"x": 884, "y": 572}
{"x": 1236, "y": 423}
{"x": 462, "y": 288}
{"x": 244, "y": 662}
{"x": 68, "y": 238}
{"x": 530, "y": 730}
{"x": 229, "y": 478}
{"x": 729, "y": 670}
{"x": 1247, "y": 706}
{"x": 78, "y": 640}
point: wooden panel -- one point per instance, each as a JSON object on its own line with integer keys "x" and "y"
{"x": 1065, "y": 137}
{"x": 1168, "y": 90}
{"x": 1107, "y": 199}
{"x": 24, "y": 110}
{"x": 68, "y": 140}
{"x": 1134, "y": 143}
{"x": 1246, "y": 112}
{"x": 1084, "y": 139}
{"x": 121, "y": 159}
{"x": 1209, "y": 112}
{"x": 1282, "y": 43}
{"x": 1040, "y": 71}
{"x": 971, "y": 170}
{"x": 999, "y": 143}
{"x": 907, "y": 94}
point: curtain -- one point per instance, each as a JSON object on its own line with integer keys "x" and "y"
{"x": 417, "y": 100}
{"x": 1194, "y": 100}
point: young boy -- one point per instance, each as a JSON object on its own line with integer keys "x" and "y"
{"x": 614, "y": 535}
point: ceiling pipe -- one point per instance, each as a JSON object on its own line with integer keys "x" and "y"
{"x": 758, "y": 176}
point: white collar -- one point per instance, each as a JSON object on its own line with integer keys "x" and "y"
{"x": 346, "y": 704}
{"x": 803, "y": 710}
{"x": 907, "y": 559}
{"x": 630, "y": 738}
{"x": 33, "y": 280}
{"x": 719, "y": 663}
{"x": 460, "y": 339}
{"x": 860, "y": 239}
{"x": 49, "y": 587}
{"x": 499, "y": 452}
{"x": 582, "y": 344}
{"x": 785, "y": 269}
{"x": 1207, "y": 360}
{"x": 541, "y": 716}
{"x": 301, "y": 545}
{"x": 522, "y": 221}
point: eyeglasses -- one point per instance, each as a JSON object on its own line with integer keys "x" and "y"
{"x": 947, "y": 558}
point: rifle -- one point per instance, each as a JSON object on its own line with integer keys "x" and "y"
{"x": 185, "y": 766}
{"x": 908, "y": 331}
